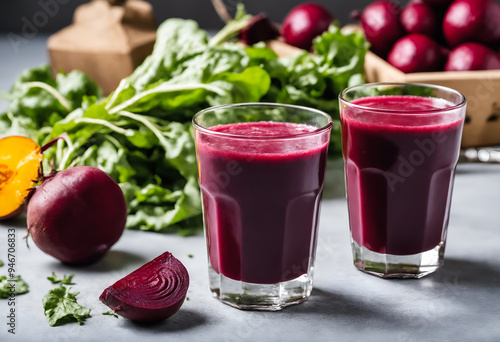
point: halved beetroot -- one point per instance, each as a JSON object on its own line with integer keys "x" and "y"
{"x": 153, "y": 292}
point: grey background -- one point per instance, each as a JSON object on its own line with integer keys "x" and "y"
{"x": 13, "y": 13}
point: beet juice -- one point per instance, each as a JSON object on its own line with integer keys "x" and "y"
{"x": 261, "y": 185}
{"x": 260, "y": 201}
{"x": 400, "y": 155}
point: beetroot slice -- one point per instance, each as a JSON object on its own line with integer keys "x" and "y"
{"x": 153, "y": 292}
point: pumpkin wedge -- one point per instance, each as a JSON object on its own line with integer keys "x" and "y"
{"x": 20, "y": 160}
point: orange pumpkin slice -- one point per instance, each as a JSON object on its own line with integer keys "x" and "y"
{"x": 20, "y": 160}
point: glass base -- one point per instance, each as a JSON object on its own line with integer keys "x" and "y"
{"x": 265, "y": 297}
{"x": 398, "y": 266}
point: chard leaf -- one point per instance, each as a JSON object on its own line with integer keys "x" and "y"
{"x": 75, "y": 85}
{"x": 259, "y": 54}
{"x": 177, "y": 40}
{"x": 177, "y": 206}
{"x": 60, "y": 307}
{"x": 247, "y": 86}
{"x": 45, "y": 100}
{"x": 341, "y": 57}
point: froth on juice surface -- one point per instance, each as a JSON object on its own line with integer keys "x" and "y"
{"x": 261, "y": 198}
{"x": 400, "y": 154}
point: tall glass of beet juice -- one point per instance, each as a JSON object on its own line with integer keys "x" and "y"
{"x": 401, "y": 145}
{"x": 261, "y": 175}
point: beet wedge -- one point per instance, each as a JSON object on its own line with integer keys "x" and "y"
{"x": 153, "y": 292}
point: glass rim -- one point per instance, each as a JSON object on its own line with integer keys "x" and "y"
{"x": 462, "y": 103}
{"x": 207, "y": 130}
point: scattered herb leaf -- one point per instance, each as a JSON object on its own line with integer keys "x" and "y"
{"x": 61, "y": 307}
{"x": 110, "y": 313}
{"x": 15, "y": 286}
{"x": 1, "y": 263}
{"x": 190, "y": 256}
{"x": 65, "y": 280}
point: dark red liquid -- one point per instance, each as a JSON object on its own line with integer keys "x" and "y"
{"x": 399, "y": 172}
{"x": 261, "y": 199}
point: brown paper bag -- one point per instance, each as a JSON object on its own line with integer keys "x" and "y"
{"x": 107, "y": 40}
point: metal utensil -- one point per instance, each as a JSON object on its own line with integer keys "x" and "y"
{"x": 481, "y": 154}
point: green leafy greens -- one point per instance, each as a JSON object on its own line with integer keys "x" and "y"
{"x": 61, "y": 307}
{"x": 13, "y": 286}
{"x": 141, "y": 134}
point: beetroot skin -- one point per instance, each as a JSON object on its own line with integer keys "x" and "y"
{"x": 381, "y": 25}
{"x": 416, "y": 53}
{"x": 77, "y": 214}
{"x": 472, "y": 20}
{"x": 153, "y": 292}
{"x": 438, "y": 3}
{"x": 472, "y": 56}
{"x": 418, "y": 17}
{"x": 303, "y": 23}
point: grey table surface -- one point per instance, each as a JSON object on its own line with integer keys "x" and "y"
{"x": 460, "y": 302}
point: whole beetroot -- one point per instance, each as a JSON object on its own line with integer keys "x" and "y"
{"x": 418, "y": 17}
{"x": 472, "y": 20}
{"x": 303, "y": 23}
{"x": 472, "y": 56}
{"x": 76, "y": 215}
{"x": 416, "y": 53}
{"x": 381, "y": 25}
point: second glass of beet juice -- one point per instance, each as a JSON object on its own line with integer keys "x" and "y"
{"x": 401, "y": 145}
{"x": 261, "y": 174}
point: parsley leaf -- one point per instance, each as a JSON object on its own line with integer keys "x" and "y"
{"x": 66, "y": 280}
{"x": 60, "y": 307}
{"x": 1, "y": 263}
{"x": 9, "y": 286}
{"x": 110, "y": 313}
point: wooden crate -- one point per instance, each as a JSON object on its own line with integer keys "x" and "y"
{"x": 481, "y": 89}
